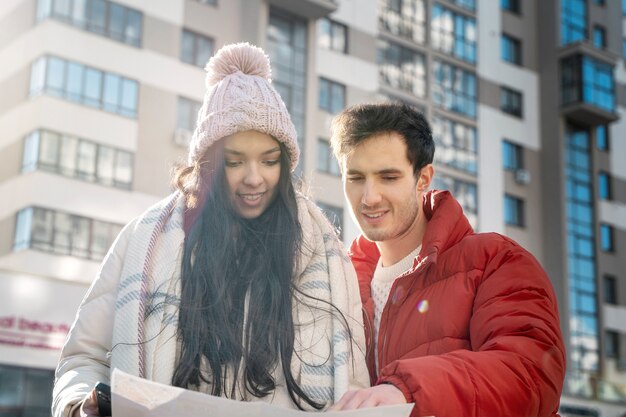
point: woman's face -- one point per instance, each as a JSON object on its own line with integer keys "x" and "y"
{"x": 252, "y": 166}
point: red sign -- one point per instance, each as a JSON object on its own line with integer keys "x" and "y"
{"x": 22, "y": 332}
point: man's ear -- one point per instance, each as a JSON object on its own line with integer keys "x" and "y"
{"x": 425, "y": 178}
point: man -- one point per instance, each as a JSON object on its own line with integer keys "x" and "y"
{"x": 461, "y": 324}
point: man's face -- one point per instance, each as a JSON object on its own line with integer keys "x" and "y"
{"x": 381, "y": 188}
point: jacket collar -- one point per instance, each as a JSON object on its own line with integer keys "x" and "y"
{"x": 446, "y": 226}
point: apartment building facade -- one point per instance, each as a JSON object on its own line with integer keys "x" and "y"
{"x": 98, "y": 100}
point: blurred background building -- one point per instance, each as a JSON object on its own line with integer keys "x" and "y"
{"x": 527, "y": 101}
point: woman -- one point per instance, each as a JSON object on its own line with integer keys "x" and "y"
{"x": 235, "y": 285}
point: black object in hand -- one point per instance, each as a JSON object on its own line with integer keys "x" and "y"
{"x": 103, "y": 396}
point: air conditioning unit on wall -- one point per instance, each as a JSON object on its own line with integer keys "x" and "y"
{"x": 522, "y": 176}
{"x": 182, "y": 137}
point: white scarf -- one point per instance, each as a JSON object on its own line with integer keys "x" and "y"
{"x": 325, "y": 357}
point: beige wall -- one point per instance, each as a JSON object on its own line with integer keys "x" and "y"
{"x": 11, "y": 156}
{"x": 14, "y": 90}
{"x": 17, "y": 21}
{"x": 156, "y": 151}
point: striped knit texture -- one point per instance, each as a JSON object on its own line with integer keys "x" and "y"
{"x": 327, "y": 360}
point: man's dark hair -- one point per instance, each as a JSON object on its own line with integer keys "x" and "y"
{"x": 357, "y": 123}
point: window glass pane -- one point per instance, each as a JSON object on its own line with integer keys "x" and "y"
{"x": 323, "y": 33}
{"x": 324, "y": 94}
{"x": 38, "y": 391}
{"x": 31, "y": 152}
{"x": 337, "y": 98}
{"x": 75, "y": 81}
{"x": 97, "y": 17}
{"x": 49, "y": 149}
{"x": 61, "y": 238}
{"x": 93, "y": 87}
{"x": 38, "y": 76}
{"x": 100, "y": 239}
{"x": 44, "y": 7}
{"x": 204, "y": 52}
{"x": 42, "y": 229}
{"x": 116, "y": 21}
{"x": 55, "y": 76}
{"x": 184, "y": 118}
{"x": 69, "y": 151}
{"x": 187, "y": 47}
{"x": 80, "y": 236}
{"x": 106, "y": 161}
{"x": 129, "y": 98}
{"x": 23, "y": 227}
{"x": 124, "y": 168}
{"x": 133, "y": 27}
{"x": 86, "y": 160}
{"x": 111, "y": 97}
{"x": 11, "y": 386}
{"x": 62, "y": 8}
{"x": 79, "y": 13}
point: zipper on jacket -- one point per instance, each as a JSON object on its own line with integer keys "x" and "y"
{"x": 383, "y": 352}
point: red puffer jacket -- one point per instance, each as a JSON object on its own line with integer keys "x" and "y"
{"x": 472, "y": 329}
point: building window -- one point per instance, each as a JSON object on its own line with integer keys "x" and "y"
{"x": 604, "y": 186}
{"x": 599, "y": 37}
{"x": 210, "y": 2}
{"x": 599, "y": 2}
{"x": 602, "y": 138}
{"x": 624, "y": 7}
{"x": 332, "y": 96}
{"x": 334, "y": 215}
{"x": 624, "y": 48}
{"x": 466, "y": 193}
{"x": 85, "y": 85}
{"x": 610, "y": 289}
{"x": 404, "y": 18}
{"x": 103, "y": 17}
{"x": 611, "y": 348}
{"x": 187, "y": 113}
{"x": 454, "y": 89}
{"x": 326, "y": 162}
{"x": 588, "y": 80}
{"x": 573, "y": 21}
{"x": 511, "y": 101}
{"x": 512, "y": 6}
{"x": 513, "y": 211}
{"x": 512, "y": 156}
{"x": 582, "y": 281}
{"x": 511, "y": 49}
{"x": 63, "y": 234}
{"x": 453, "y": 34}
{"x": 195, "y": 49}
{"x": 402, "y": 68}
{"x": 607, "y": 243}
{"x": 457, "y": 144}
{"x": 332, "y": 35}
{"x": 25, "y": 391}
{"x": 77, "y": 158}
{"x": 466, "y": 4}
{"x": 287, "y": 48}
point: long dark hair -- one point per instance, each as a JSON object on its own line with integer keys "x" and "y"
{"x": 227, "y": 258}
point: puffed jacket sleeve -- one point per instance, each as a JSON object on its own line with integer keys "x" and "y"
{"x": 84, "y": 359}
{"x": 516, "y": 364}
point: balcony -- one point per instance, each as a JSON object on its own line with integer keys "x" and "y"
{"x": 587, "y": 86}
{"x": 309, "y": 9}
{"x": 587, "y": 386}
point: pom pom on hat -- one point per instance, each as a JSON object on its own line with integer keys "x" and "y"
{"x": 240, "y": 97}
{"x": 248, "y": 59}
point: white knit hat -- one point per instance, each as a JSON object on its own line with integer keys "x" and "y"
{"x": 240, "y": 97}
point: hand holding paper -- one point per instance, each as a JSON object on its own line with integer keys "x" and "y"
{"x": 137, "y": 397}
